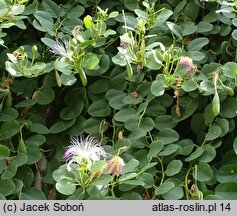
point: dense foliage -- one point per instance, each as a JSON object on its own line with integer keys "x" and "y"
{"x": 154, "y": 81}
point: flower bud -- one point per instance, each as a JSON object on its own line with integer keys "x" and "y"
{"x": 187, "y": 63}
{"x": 115, "y": 166}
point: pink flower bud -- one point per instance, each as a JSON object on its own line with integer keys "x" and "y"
{"x": 187, "y": 63}
{"x": 115, "y": 166}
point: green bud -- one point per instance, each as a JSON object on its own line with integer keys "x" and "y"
{"x": 34, "y": 49}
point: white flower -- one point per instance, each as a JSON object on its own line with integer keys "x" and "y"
{"x": 83, "y": 151}
{"x": 63, "y": 50}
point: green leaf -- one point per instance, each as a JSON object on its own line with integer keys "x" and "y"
{"x": 175, "y": 29}
{"x": 25, "y": 103}
{"x": 163, "y": 16}
{"x": 130, "y": 99}
{"x": 131, "y": 4}
{"x": 97, "y": 191}
{"x": 6, "y": 187}
{"x": 196, "y": 55}
{"x": 209, "y": 153}
{"x": 175, "y": 193}
{"x": 155, "y": 148}
{"x": 227, "y": 191}
{"x": 204, "y": 27}
{"x": 113, "y": 14}
{"x": 119, "y": 59}
{"x": 90, "y": 61}
{"x": 61, "y": 126}
{"x": 65, "y": 186}
{"x": 235, "y": 145}
{"x": 230, "y": 70}
{"x": 154, "y": 59}
{"x": 174, "y": 167}
{"x": 124, "y": 114}
{"x": 43, "y": 22}
{"x": 51, "y": 7}
{"x": 164, "y": 188}
{"x": 44, "y": 96}
{"x": 103, "y": 66}
{"x": 4, "y": 152}
{"x": 147, "y": 179}
{"x": 99, "y": 108}
{"x": 227, "y": 173}
{"x": 169, "y": 150}
{"x": 234, "y": 34}
{"x": 26, "y": 175}
{"x": 76, "y": 12}
{"x": 10, "y": 171}
{"x": 98, "y": 165}
{"x": 8, "y": 114}
{"x": 187, "y": 146}
{"x": 208, "y": 114}
{"x": 62, "y": 173}
{"x": 188, "y": 106}
{"x": 93, "y": 126}
{"x": 49, "y": 42}
{"x": 115, "y": 98}
{"x": 189, "y": 85}
{"x": 122, "y": 145}
{"x": 204, "y": 172}
{"x": 63, "y": 67}
{"x": 157, "y": 88}
{"x": 32, "y": 193}
{"x": 130, "y": 166}
{"x": 188, "y": 28}
{"x": 214, "y": 132}
{"x": 102, "y": 180}
{"x": 224, "y": 125}
{"x": 72, "y": 111}
{"x": 196, "y": 154}
{"x": 229, "y": 107}
{"x": 38, "y": 128}
{"x": 197, "y": 43}
{"x": 167, "y": 136}
{"x": 164, "y": 121}
{"x": 68, "y": 80}
{"x": 9, "y": 129}
{"x": 128, "y": 176}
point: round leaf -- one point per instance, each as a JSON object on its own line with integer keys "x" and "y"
{"x": 174, "y": 167}
{"x": 9, "y": 129}
{"x": 168, "y": 135}
{"x": 99, "y": 108}
{"x": 8, "y": 114}
{"x": 124, "y": 114}
{"x": 197, "y": 153}
{"x": 4, "y": 152}
{"x": 61, "y": 126}
{"x": 32, "y": 194}
{"x": 6, "y": 187}
{"x": 228, "y": 108}
{"x": 213, "y": 132}
{"x": 230, "y": 69}
{"x": 169, "y": 149}
{"x": 227, "y": 191}
{"x": 204, "y": 172}
{"x": 164, "y": 188}
{"x": 227, "y": 173}
{"x": 157, "y": 88}
{"x": 155, "y": 147}
{"x": 44, "y": 96}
